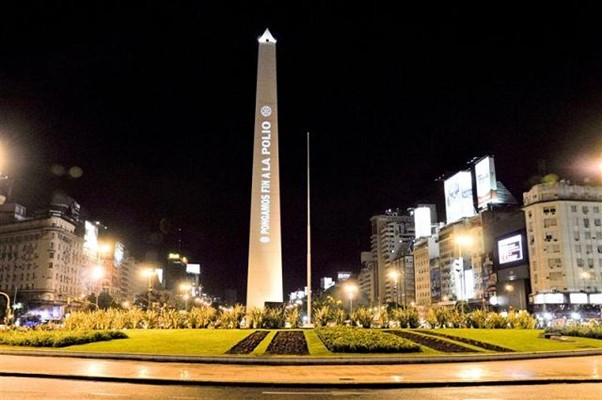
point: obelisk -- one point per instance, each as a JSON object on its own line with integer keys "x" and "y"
{"x": 264, "y": 280}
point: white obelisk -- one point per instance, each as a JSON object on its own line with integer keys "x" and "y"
{"x": 264, "y": 280}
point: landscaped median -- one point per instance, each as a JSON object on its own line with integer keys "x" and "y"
{"x": 319, "y": 342}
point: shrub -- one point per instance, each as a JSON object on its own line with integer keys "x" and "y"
{"x": 357, "y": 340}
{"x": 321, "y": 316}
{"x": 56, "y": 338}
{"x": 254, "y": 318}
{"x": 201, "y": 317}
{"x": 273, "y": 318}
{"x": 363, "y": 316}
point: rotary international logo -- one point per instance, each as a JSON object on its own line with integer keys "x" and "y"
{"x": 266, "y": 111}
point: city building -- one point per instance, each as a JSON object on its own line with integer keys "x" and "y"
{"x": 426, "y": 256}
{"x": 365, "y": 277}
{"x": 392, "y": 238}
{"x": 564, "y": 241}
{"x": 53, "y": 262}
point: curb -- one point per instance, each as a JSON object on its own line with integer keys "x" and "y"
{"x": 341, "y": 385}
{"x": 301, "y": 360}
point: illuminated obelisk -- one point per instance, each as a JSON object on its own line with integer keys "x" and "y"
{"x": 264, "y": 280}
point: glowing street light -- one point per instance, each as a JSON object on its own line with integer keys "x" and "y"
{"x": 350, "y": 289}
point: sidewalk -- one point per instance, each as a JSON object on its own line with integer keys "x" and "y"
{"x": 531, "y": 369}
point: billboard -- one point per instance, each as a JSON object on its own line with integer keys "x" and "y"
{"x": 510, "y": 249}
{"x": 193, "y": 269}
{"x": 91, "y": 236}
{"x": 118, "y": 254}
{"x": 422, "y": 222}
{"x": 458, "y": 196}
{"x": 486, "y": 181}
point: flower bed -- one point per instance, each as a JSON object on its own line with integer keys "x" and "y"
{"x": 288, "y": 342}
{"x": 248, "y": 344}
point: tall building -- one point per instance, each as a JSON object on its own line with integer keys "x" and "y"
{"x": 264, "y": 279}
{"x": 564, "y": 239}
{"x": 365, "y": 278}
{"x": 42, "y": 264}
{"x": 51, "y": 262}
{"x": 392, "y": 237}
{"x": 425, "y": 252}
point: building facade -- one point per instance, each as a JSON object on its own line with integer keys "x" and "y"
{"x": 564, "y": 236}
{"x": 392, "y": 237}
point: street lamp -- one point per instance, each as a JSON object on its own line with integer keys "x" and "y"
{"x": 350, "y": 289}
{"x": 185, "y": 287}
{"x": 149, "y": 272}
{"x": 462, "y": 241}
{"x": 395, "y": 276}
{"x": 97, "y": 274}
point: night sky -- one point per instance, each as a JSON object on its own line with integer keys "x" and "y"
{"x": 154, "y": 101}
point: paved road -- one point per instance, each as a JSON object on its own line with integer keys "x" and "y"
{"x": 587, "y": 368}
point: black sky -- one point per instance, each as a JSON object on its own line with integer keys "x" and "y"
{"x": 154, "y": 101}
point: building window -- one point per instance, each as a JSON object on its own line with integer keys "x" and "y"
{"x": 547, "y": 222}
{"x": 585, "y": 209}
{"x": 549, "y": 210}
{"x": 586, "y": 222}
{"x": 596, "y": 210}
{"x": 577, "y": 248}
{"x": 574, "y": 208}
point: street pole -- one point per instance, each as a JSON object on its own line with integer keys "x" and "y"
{"x": 461, "y": 271}
{"x": 150, "y": 289}
{"x": 308, "y": 243}
{"x": 350, "y": 303}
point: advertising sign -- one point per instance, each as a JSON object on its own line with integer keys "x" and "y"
{"x": 458, "y": 196}
{"x": 486, "y": 182}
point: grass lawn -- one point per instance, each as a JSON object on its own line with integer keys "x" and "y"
{"x": 190, "y": 342}
{"x": 216, "y": 342}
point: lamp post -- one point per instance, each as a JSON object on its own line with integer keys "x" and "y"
{"x": 185, "y": 287}
{"x": 149, "y": 272}
{"x": 97, "y": 274}
{"x": 395, "y": 276}
{"x": 350, "y": 288}
{"x": 462, "y": 241}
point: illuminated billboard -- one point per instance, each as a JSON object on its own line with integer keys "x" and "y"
{"x": 193, "y": 269}
{"x": 510, "y": 249}
{"x": 422, "y": 222}
{"x": 118, "y": 254}
{"x": 486, "y": 182}
{"x": 91, "y": 236}
{"x": 458, "y": 197}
